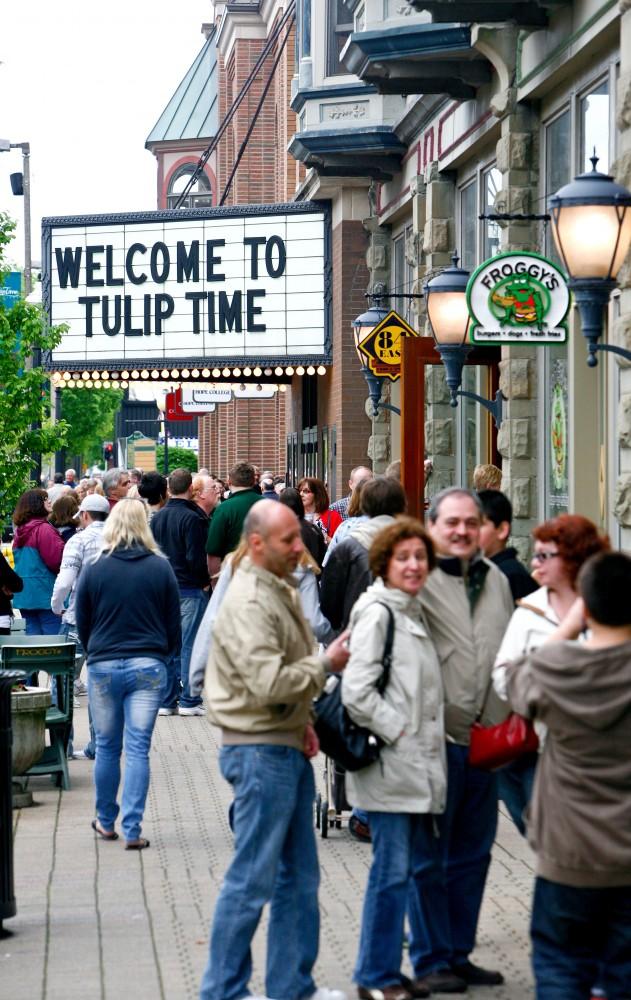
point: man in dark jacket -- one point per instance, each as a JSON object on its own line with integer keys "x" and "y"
{"x": 10, "y": 584}
{"x": 347, "y": 575}
{"x": 496, "y": 525}
{"x": 180, "y": 530}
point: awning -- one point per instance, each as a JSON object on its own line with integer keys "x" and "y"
{"x": 369, "y": 151}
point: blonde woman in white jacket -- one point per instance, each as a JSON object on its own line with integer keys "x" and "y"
{"x": 407, "y": 787}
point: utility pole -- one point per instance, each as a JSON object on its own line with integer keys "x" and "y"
{"x": 26, "y": 185}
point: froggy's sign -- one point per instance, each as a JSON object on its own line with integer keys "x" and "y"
{"x": 518, "y": 298}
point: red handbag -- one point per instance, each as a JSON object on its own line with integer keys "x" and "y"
{"x": 492, "y": 747}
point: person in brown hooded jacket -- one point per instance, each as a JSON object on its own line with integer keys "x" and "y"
{"x": 579, "y": 821}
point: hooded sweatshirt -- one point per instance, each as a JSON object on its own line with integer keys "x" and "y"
{"x": 37, "y": 548}
{"x": 347, "y": 574}
{"x": 579, "y": 821}
{"x": 128, "y": 604}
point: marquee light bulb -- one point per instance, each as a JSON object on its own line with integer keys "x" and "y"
{"x": 155, "y": 373}
{"x": 175, "y": 373}
{"x": 236, "y": 372}
{"x": 216, "y": 373}
{"x": 135, "y": 374}
{"x": 185, "y": 373}
{"x": 125, "y": 375}
{"x": 289, "y": 370}
{"x": 247, "y": 372}
{"x": 278, "y": 371}
{"x": 257, "y": 372}
{"x": 85, "y": 375}
{"x": 226, "y": 373}
{"x": 205, "y": 372}
{"x": 96, "y": 375}
{"x": 310, "y": 370}
{"x": 70, "y": 383}
{"x": 61, "y": 384}
{"x": 195, "y": 373}
{"x": 300, "y": 370}
{"x": 87, "y": 383}
{"x": 267, "y": 371}
{"x": 66, "y": 375}
{"x": 165, "y": 373}
{"x": 283, "y": 388}
{"x": 321, "y": 370}
{"x": 105, "y": 375}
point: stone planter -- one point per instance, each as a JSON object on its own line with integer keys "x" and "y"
{"x": 28, "y": 722}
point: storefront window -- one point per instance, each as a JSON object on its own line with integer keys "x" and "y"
{"x": 468, "y": 227}
{"x": 491, "y": 184}
{"x": 595, "y": 127}
{"x": 556, "y": 431}
{"x": 558, "y": 167}
{"x": 340, "y": 25}
{"x": 402, "y": 276}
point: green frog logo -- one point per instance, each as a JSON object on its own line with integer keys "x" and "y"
{"x": 520, "y": 302}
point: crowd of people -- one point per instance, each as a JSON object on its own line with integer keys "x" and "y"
{"x": 237, "y": 600}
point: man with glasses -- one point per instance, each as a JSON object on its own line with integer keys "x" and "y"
{"x": 116, "y": 483}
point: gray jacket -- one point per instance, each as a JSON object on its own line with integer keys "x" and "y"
{"x": 467, "y": 640}
{"x": 411, "y": 775}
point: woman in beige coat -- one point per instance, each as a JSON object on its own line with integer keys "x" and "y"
{"x": 407, "y": 786}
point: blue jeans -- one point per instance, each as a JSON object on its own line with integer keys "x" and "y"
{"x": 275, "y": 860}
{"x": 447, "y": 935}
{"x": 125, "y": 696}
{"x": 70, "y": 632}
{"x": 580, "y": 937}
{"x": 405, "y": 862}
{"x": 41, "y": 621}
{"x": 514, "y": 783}
{"x": 192, "y": 610}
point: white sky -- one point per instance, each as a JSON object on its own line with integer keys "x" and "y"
{"x": 84, "y": 82}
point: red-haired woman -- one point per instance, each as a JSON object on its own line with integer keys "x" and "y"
{"x": 562, "y": 545}
{"x": 37, "y": 548}
{"x": 315, "y": 498}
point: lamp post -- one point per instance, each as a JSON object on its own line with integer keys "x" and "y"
{"x": 449, "y": 320}
{"x": 591, "y": 225}
{"x": 362, "y": 326}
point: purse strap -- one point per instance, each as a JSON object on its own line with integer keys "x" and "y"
{"x": 384, "y": 680}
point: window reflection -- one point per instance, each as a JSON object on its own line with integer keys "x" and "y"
{"x": 595, "y": 128}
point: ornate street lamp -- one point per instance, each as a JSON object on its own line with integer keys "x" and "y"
{"x": 449, "y": 321}
{"x": 591, "y": 224}
{"x": 362, "y": 327}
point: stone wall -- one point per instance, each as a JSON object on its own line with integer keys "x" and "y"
{"x": 622, "y": 327}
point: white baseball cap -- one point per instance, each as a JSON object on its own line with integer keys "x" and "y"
{"x": 94, "y": 502}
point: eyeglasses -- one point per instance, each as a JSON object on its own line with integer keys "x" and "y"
{"x": 544, "y": 556}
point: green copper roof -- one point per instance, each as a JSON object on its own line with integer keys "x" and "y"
{"x": 192, "y": 112}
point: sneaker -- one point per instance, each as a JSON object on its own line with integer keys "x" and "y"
{"x": 474, "y": 975}
{"x": 440, "y": 981}
{"x": 82, "y": 755}
{"x": 358, "y": 830}
{"x": 323, "y": 994}
{"x": 80, "y": 688}
{"x": 167, "y": 711}
{"x": 195, "y": 710}
{"x": 384, "y": 993}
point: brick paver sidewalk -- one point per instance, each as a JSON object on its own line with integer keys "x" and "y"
{"x": 98, "y": 923}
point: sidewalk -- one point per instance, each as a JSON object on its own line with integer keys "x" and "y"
{"x": 97, "y": 922}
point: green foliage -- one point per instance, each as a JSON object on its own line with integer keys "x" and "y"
{"x": 179, "y": 458}
{"x": 25, "y": 419}
{"x": 89, "y": 414}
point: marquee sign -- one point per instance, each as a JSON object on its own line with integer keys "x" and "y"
{"x": 518, "y": 298}
{"x": 382, "y": 346}
{"x": 249, "y": 284}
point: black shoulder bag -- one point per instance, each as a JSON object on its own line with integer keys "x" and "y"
{"x": 351, "y": 746}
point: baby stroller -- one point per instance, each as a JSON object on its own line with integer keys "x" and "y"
{"x": 331, "y": 804}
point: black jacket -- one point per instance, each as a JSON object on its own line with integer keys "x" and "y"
{"x": 9, "y": 579}
{"x": 180, "y": 529}
{"x": 128, "y": 604}
{"x": 519, "y": 579}
{"x": 313, "y": 541}
{"x": 344, "y": 578}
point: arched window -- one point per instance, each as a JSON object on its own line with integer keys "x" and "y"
{"x": 200, "y": 195}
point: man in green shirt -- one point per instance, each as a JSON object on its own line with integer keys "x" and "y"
{"x": 226, "y": 526}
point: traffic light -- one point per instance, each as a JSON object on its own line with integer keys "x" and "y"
{"x": 108, "y": 452}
